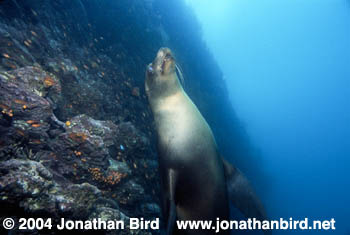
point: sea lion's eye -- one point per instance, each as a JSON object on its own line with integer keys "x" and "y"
{"x": 168, "y": 56}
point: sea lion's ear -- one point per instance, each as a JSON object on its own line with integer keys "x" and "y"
{"x": 242, "y": 195}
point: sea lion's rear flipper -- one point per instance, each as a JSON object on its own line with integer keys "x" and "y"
{"x": 241, "y": 194}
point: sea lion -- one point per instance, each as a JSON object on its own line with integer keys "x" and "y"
{"x": 196, "y": 182}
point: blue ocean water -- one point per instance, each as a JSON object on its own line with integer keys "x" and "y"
{"x": 287, "y": 65}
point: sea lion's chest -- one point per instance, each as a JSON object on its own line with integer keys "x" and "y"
{"x": 182, "y": 130}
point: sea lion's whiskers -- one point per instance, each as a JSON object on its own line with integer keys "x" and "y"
{"x": 180, "y": 74}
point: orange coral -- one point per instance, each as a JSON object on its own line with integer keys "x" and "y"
{"x": 48, "y": 81}
{"x": 12, "y": 66}
{"x": 4, "y": 106}
{"x": 35, "y": 141}
{"x": 112, "y": 178}
{"x": 78, "y": 137}
{"x": 19, "y": 101}
{"x": 8, "y": 112}
{"x": 96, "y": 173}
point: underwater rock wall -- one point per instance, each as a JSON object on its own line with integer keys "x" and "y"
{"x": 76, "y": 133}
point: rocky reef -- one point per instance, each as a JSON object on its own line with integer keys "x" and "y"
{"x": 76, "y": 133}
{"x": 82, "y": 168}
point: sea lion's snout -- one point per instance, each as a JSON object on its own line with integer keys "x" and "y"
{"x": 164, "y": 62}
{"x": 161, "y": 73}
{"x": 150, "y": 70}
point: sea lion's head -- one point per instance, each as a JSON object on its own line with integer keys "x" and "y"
{"x": 161, "y": 78}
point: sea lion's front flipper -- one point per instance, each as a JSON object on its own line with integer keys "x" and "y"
{"x": 242, "y": 194}
{"x": 171, "y": 207}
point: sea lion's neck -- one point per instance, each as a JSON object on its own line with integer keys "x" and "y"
{"x": 168, "y": 103}
{"x": 166, "y": 91}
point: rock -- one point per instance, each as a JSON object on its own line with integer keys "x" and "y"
{"x": 25, "y": 116}
{"x": 77, "y": 169}
{"x": 83, "y": 149}
{"x": 30, "y": 185}
{"x": 151, "y": 208}
{"x": 21, "y": 178}
{"x": 77, "y": 200}
{"x": 107, "y": 213}
{"x": 104, "y": 129}
{"x": 129, "y": 138}
{"x": 38, "y": 81}
{"x": 135, "y": 91}
{"x": 119, "y": 166}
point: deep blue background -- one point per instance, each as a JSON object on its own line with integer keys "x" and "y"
{"x": 287, "y": 65}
